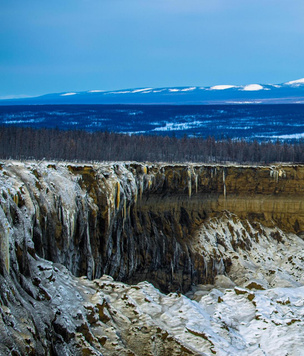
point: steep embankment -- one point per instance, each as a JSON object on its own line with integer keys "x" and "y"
{"x": 173, "y": 225}
{"x": 136, "y": 222}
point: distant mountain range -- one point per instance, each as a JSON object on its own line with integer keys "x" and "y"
{"x": 290, "y": 92}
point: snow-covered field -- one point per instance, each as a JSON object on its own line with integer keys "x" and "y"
{"x": 249, "y": 122}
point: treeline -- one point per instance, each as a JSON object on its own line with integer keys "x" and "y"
{"x": 53, "y": 144}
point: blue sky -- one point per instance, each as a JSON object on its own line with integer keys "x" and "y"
{"x": 77, "y": 45}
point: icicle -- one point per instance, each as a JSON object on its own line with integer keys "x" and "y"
{"x": 224, "y": 183}
{"x": 219, "y": 266}
{"x": 149, "y": 183}
{"x": 189, "y": 183}
{"x": 206, "y": 267}
{"x": 276, "y": 176}
{"x": 141, "y": 181}
{"x": 277, "y": 173}
{"x": 118, "y": 195}
{"x": 109, "y": 214}
{"x": 136, "y": 195}
{"x": 213, "y": 172}
{"x": 124, "y": 212}
{"x": 281, "y": 173}
{"x": 141, "y": 187}
{"x": 4, "y": 240}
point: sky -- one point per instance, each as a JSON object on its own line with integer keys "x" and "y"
{"x": 79, "y": 45}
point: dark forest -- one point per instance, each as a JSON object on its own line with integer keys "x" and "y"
{"x": 52, "y": 144}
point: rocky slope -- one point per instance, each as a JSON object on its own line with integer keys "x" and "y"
{"x": 227, "y": 237}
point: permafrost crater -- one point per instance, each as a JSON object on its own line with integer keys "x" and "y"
{"x": 89, "y": 253}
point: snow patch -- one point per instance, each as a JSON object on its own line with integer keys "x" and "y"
{"x": 222, "y": 87}
{"x": 30, "y": 121}
{"x": 158, "y": 90}
{"x": 141, "y": 90}
{"x": 297, "y": 82}
{"x": 295, "y": 136}
{"x": 68, "y": 94}
{"x": 120, "y": 92}
{"x": 252, "y": 87}
{"x": 172, "y": 126}
{"x": 189, "y": 89}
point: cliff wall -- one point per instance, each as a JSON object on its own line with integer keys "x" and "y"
{"x": 134, "y": 221}
{"x": 184, "y": 228}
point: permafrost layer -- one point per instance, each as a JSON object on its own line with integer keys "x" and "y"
{"x": 227, "y": 236}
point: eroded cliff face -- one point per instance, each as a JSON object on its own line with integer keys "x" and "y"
{"x": 102, "y": 219}
{"x": 136, "y": 222}
{"x": 176, "y": 226}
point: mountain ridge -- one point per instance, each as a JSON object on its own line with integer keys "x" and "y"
{"x": 291, "y": 92}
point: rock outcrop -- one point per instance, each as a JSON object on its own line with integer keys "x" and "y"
{"x": 183, "y": 228}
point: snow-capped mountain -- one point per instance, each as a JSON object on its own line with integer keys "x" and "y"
{"x": 289, "y": 92}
